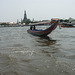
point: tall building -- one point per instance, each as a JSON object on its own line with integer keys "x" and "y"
{"x": 25, "y": 17}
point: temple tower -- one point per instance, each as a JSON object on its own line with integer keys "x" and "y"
{"x": 25, "y": 17}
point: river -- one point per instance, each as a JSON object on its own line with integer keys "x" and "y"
{"x": 24, "y": 54}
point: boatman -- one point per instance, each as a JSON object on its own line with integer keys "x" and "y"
{"x": 32, "y": 27}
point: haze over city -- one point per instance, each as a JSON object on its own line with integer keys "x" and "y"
{"x": 11, "y": 10}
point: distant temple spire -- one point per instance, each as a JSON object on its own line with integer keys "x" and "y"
{"x": 25, "y": 17}
{"x": 17, "y": 21}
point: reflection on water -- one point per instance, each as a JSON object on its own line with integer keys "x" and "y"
{"x": 47, "y": 45}
{"x": 45, "y": 41}
{"x": 24, "y": 54}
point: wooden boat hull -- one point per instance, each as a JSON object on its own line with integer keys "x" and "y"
{"x": 45, "y": 32}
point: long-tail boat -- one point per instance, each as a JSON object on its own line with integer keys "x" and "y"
{"x": 53, "y": 24}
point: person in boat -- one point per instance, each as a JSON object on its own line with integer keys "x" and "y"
{"x": 32, "y": 27}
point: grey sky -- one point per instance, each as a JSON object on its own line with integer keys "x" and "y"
{"x": 11, "y": 10}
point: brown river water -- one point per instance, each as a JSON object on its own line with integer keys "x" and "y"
{"x": 24, "y": 54}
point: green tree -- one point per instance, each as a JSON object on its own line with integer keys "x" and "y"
{"x": 66, "y": 20}
{"x": 5, "y": 24}
{"x": 28, "y": 21}
{"x": 61, "y": 20}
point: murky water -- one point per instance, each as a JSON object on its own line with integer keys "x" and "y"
{"x": 25, "y": 54}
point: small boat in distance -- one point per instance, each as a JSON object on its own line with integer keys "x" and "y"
{"x": 53, "y": 24}
{"x": 68, "y": 25}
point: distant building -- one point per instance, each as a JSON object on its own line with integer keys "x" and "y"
{"x": 25, "y": 17}
{"x": 55, "y": 19}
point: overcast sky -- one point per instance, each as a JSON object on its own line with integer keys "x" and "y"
{"x": 11, "y": 10}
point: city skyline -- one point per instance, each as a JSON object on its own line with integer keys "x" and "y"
{"x": 11, "y": 10}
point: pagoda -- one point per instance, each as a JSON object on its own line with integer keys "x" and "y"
{"x": 25, "y": 17}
